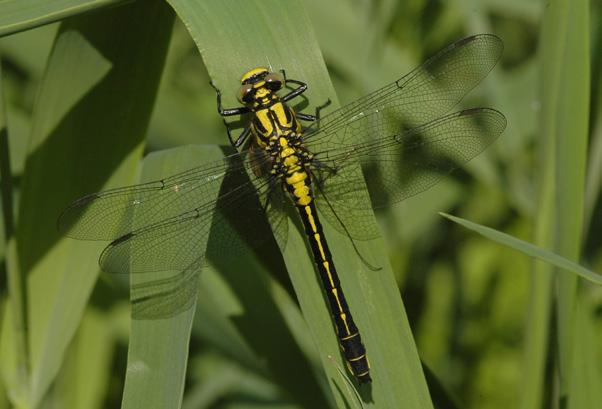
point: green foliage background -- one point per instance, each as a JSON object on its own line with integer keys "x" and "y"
{"x": 90, "y": 88}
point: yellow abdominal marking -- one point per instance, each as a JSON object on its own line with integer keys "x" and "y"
{"x": 350, "y": 336}
{"x": 343, "y": 316}
{"x": 311, "y": 219}
{"x": 318, "y": 239}
{"x": 300, "y": 188}
{"x": 327, "y": 268}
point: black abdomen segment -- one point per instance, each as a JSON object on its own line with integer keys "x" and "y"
{"x": 347, "y": 332}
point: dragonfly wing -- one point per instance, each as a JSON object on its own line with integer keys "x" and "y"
{"x": 114, "y": 213}
{"x": 426, "y": 93}
{"x": 164, "y": 297}
{"x": 275, "y": 206}
{"x": 338, "y": 197}
{"x": 173, "y": 251}
{"x": 172, "y": 244}
{"x": 402, "y": 165}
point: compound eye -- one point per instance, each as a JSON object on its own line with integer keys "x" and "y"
{"x": 274, "y": 81}
{"x": 246, "y": 94}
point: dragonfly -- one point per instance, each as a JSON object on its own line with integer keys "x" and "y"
{"x": 380, "y": 149}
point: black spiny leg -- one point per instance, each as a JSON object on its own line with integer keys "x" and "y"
{"x": 302, "y": 87}
{"x": 241, "y": 138}
{"x": 315, "y": 117}
{"x": 231, "y": 112}
{"x": 320, "y": 108}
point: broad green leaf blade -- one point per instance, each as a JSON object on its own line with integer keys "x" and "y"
{"x": 233, "y": 37}
{"x": 157, "y": 359}
{"x": 565, "y": 85}
{"x": 158, "y": 350}
{"x": 88, "y": 127}
{"x": 19, "y": 15}
{"x": 236, "y": 311}
{"x": 529, "y": 249}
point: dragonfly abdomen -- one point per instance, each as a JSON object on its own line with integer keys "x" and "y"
{"x": 347, "y": 332}
{"x": 298, "y": 183}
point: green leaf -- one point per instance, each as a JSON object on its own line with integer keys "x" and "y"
{"x": 565, "y": 85}
{"x": 158, "y": 350}
{"x": 15, "y": 348}
{"x": 234, "y": 37}
{"x": 237, "y": 312}
{"x": 19, "y": 15}
{"x": 529, "y": 249}
{"x": 244, "y": 312}
{"x": 90, "y": 118}
{"x": 83, "y": 380}
{"x": 214, "y": 380}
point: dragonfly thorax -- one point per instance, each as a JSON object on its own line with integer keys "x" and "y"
{"x": 274, "y": 122}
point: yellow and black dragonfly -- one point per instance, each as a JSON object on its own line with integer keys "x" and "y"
{"x": 397, "y": 141}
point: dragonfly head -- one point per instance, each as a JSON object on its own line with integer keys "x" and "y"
{"x": 259, "y": 84}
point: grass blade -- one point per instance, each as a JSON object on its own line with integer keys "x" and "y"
{"x": 90, "y": 118}
{"x": 529, "y": 249}
{"x": 20, "y": 15}
{"x": 158, "y": 350}
{"x": 565, "y": 113}
{"x": 235, "y": 36}
{"x": 82, "y": 382}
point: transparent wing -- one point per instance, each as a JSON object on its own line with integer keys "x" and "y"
{"x": 109, "y": 215}
{"x": 164, "y": 297}
{"x": 164, "y": 225}
{"x": 426, "y": 93}
{"x": 401, "y": 165}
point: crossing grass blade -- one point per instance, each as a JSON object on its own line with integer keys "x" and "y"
{"x": 85, "y": 135}
{"x": 233, "y": 37}
{"x": 529, "y": 249}
{"x": 20, "y": 15}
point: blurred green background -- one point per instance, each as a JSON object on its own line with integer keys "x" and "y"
{"x": 469, "y": 301}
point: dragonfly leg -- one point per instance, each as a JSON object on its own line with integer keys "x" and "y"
{"x": 302, "y": 87}
{"x": 224, "y": 112}
{"x": 305, "y": 117}
{"x": 227, "y": 111}
{"x": 241, "y": 138}
{"x": 316, "y": 116}
{"x": 320, "y": 108}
